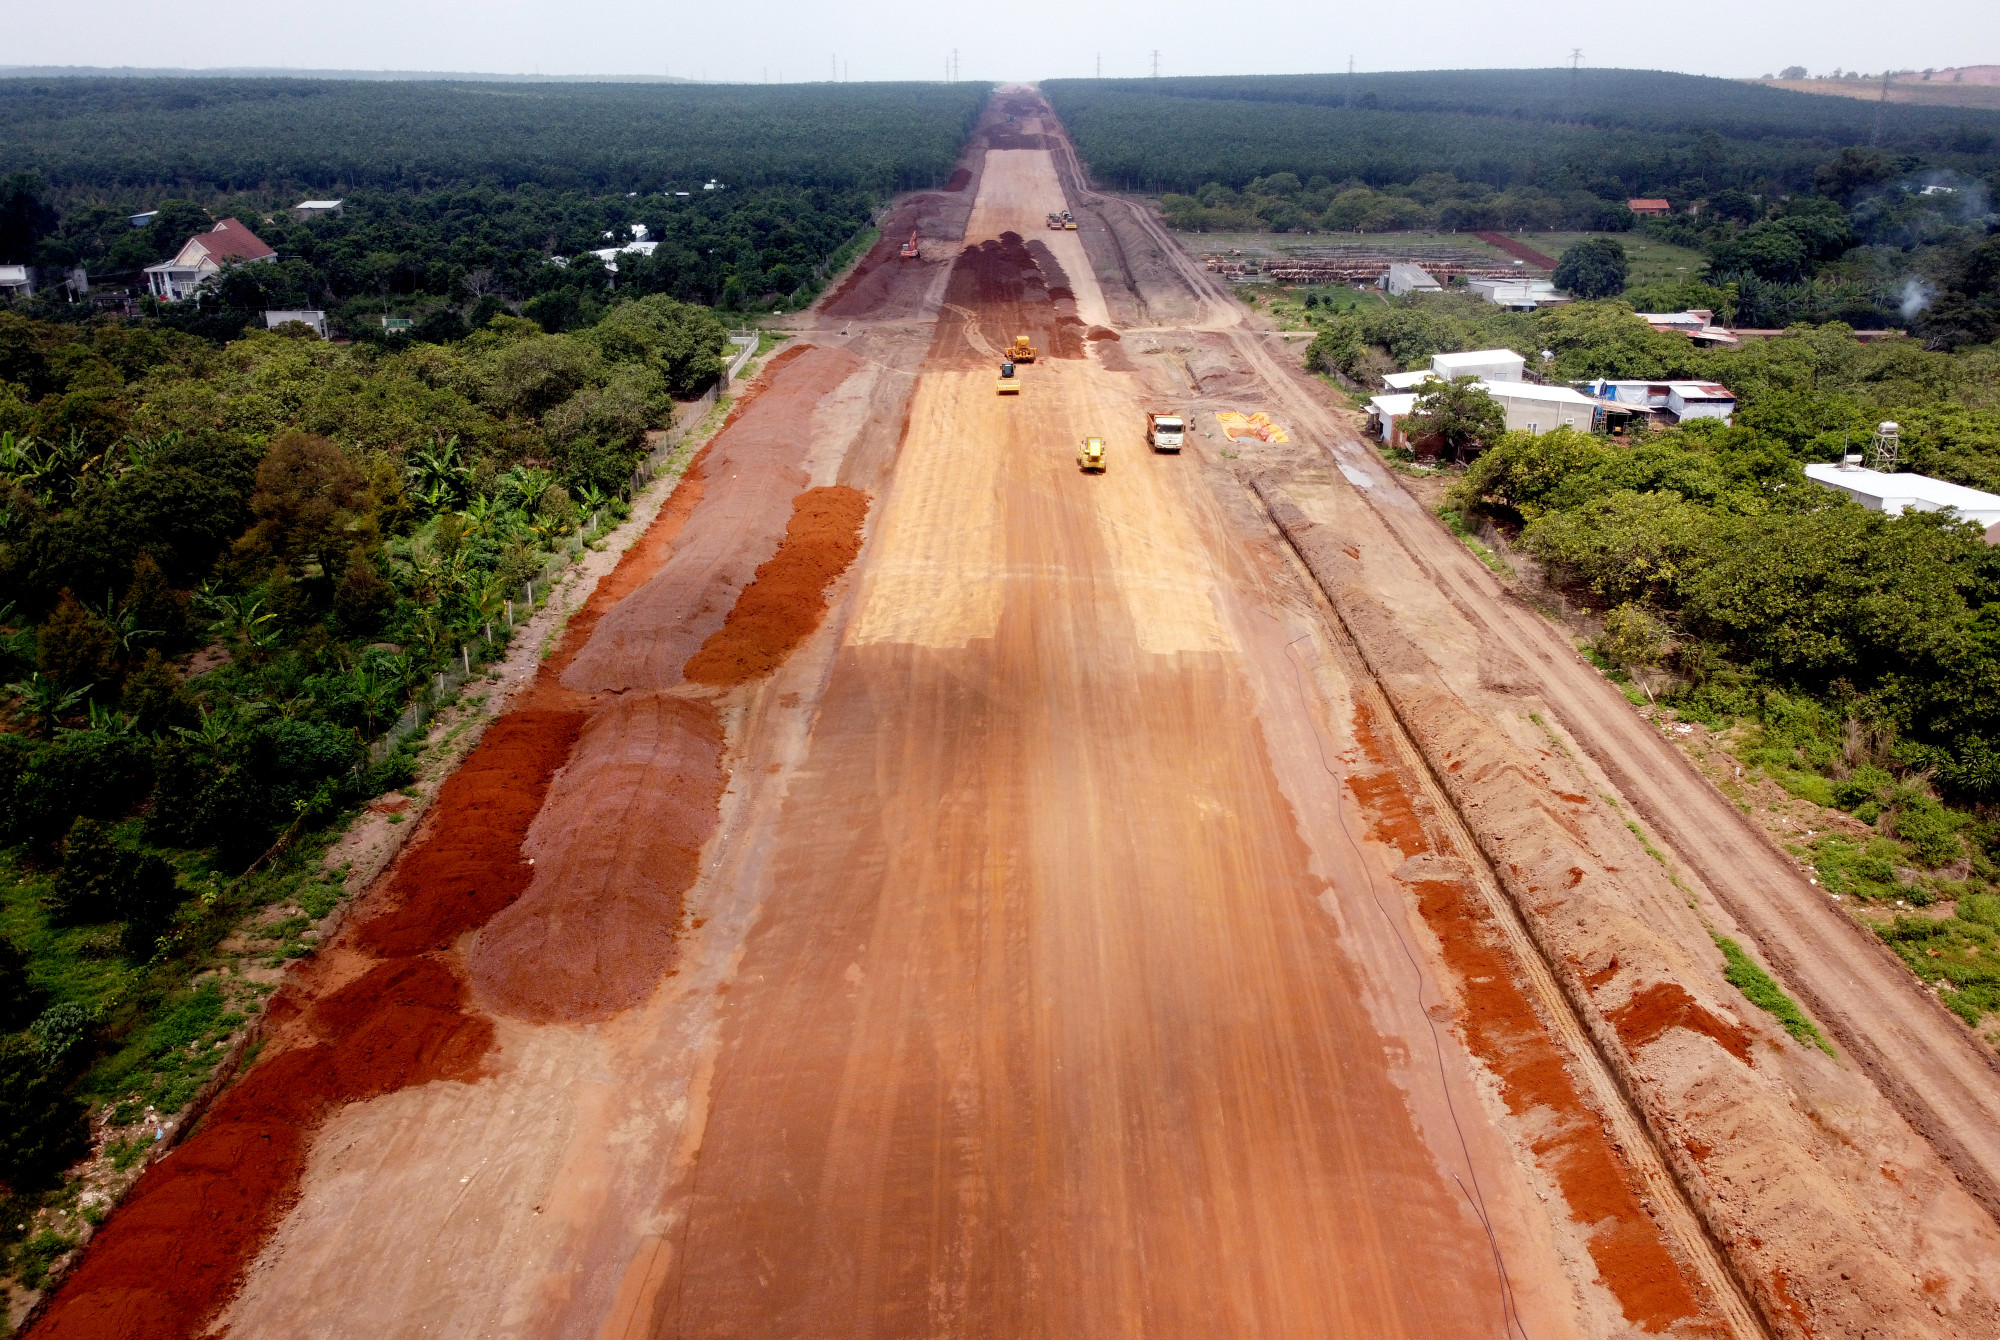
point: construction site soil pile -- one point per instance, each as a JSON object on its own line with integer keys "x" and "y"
{"x": 787, "y": 598}
{"x": 1001, "y": 288}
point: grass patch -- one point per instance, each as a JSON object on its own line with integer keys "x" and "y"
{"x": 1483, "y": 551}
{"x": 1741, "y": 971}
{"x": 1957, "y": 956}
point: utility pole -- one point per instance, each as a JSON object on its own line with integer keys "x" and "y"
{"x": 833, "y": 69}
{"x": 954, "y": 65}
{"x": 1575, "y": 73}
{"x": 1100, "y": 65}
{"x": 1875, "y": 135}
{"x": 1350, "y": 81}
{"x": 1156, "y": 64}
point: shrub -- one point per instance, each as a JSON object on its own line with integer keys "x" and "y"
{"x": 20, "y": 999}
{"x": 1593, "y": 268}
{"x": 42, "y": 1127}
{"x": 1929, "y": 830}
{"x": 90, "y": 773}
{"x": 102, "y": 880}
{"x": 75, "y": 647}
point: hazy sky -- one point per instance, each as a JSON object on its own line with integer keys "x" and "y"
{"x": 752, "y": 40}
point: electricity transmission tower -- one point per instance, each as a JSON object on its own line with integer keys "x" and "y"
{"x": 1156, "y": 64}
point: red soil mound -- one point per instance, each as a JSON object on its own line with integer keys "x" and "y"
{"x": 1016, "y": 288}
{"x": 1665, "y": 1005}
{"x": 960, "y": 179}
{"x": 1500, "y": 1027}
{"x": 471, "y": 866}
{"x": 616, "y": 849}
{"x": 786, "y": 600}
{"x": 176, "y": 1247}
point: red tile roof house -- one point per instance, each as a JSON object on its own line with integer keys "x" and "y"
{"x": 204, "y": 254}
{"x": 1649, "y": 206}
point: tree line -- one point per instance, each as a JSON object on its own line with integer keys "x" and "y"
{"x": 1616, "y": 133}
{"x": 126, "y": 140}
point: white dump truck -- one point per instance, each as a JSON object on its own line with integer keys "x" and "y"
{"x": 1165, "y": 431}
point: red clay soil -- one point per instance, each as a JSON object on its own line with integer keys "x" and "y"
{"x": 174, "y": 1252}
{"x": 1665, "y": 1005}
{"x": 1500, "y": 1027}
{"x": 786, "y": 600}
{"x": 616, "y": 850}
{"x": 754, "y": 470}
{"x": 1016, "y": 288}
{"x": 960, "y": 179}
{"x": 1518, "y": 250}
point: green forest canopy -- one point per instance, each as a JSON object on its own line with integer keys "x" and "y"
{"x": 198, "y": 136}
{"x": 1615, "y": 132}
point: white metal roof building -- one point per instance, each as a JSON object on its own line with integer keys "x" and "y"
{"x": 1493, "y": 365}
{"x": 1403, "y": 277}
{"x": 1895, "y": 494}
{"x": 1527, "y": 407}
{"x": 1684, "y": 400}
{"x": 1540, "y": 409}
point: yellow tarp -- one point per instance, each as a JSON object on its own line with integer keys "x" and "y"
{"x": 1256, "y": 425}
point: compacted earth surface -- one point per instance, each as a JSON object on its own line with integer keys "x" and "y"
{"x": 928, "y": 890}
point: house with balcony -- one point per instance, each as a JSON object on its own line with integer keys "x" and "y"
{"x": 203, "y": 255}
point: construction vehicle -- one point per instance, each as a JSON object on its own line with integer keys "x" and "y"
{"x": 1009, "y": 383}
{"x": 1090, "y": 456}
{"x": 1022, "y": 352}
{"x": 1055, "y": 221}
{"x": 910, "y": 252}
{"x": 1165, "y": 431}
{"x": 1069, "y": 221}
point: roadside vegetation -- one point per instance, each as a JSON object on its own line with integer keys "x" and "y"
{"x": 230, "y": 571}
{"x": 1847, "y": 657}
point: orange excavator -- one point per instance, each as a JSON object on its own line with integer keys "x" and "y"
{"x": 910, "y": 252}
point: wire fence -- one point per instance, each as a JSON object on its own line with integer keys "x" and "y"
{"x": 474, "y": 656}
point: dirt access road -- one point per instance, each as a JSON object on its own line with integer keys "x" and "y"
{"x": 1066, "y": 938}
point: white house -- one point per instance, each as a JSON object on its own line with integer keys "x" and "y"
{"x": 1403, "y": 277}
{"x": 317, "y": 209}
{"x": 315, "y": 319}
{"x": 1895, "y": 494}
{"x": 204, "y": 254}
{"x": 1386, "y": 414}
{"x": 1539, "y": 409}
{"x": 1525, "y": 407}
{"x": 17, "y": 281}
{"x": 1521, "y": 295}
{"x": 1697, "y": 323}
{"x": 1493, "y": 365}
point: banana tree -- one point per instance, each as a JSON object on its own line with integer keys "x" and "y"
{"x": 42, "y": 703}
